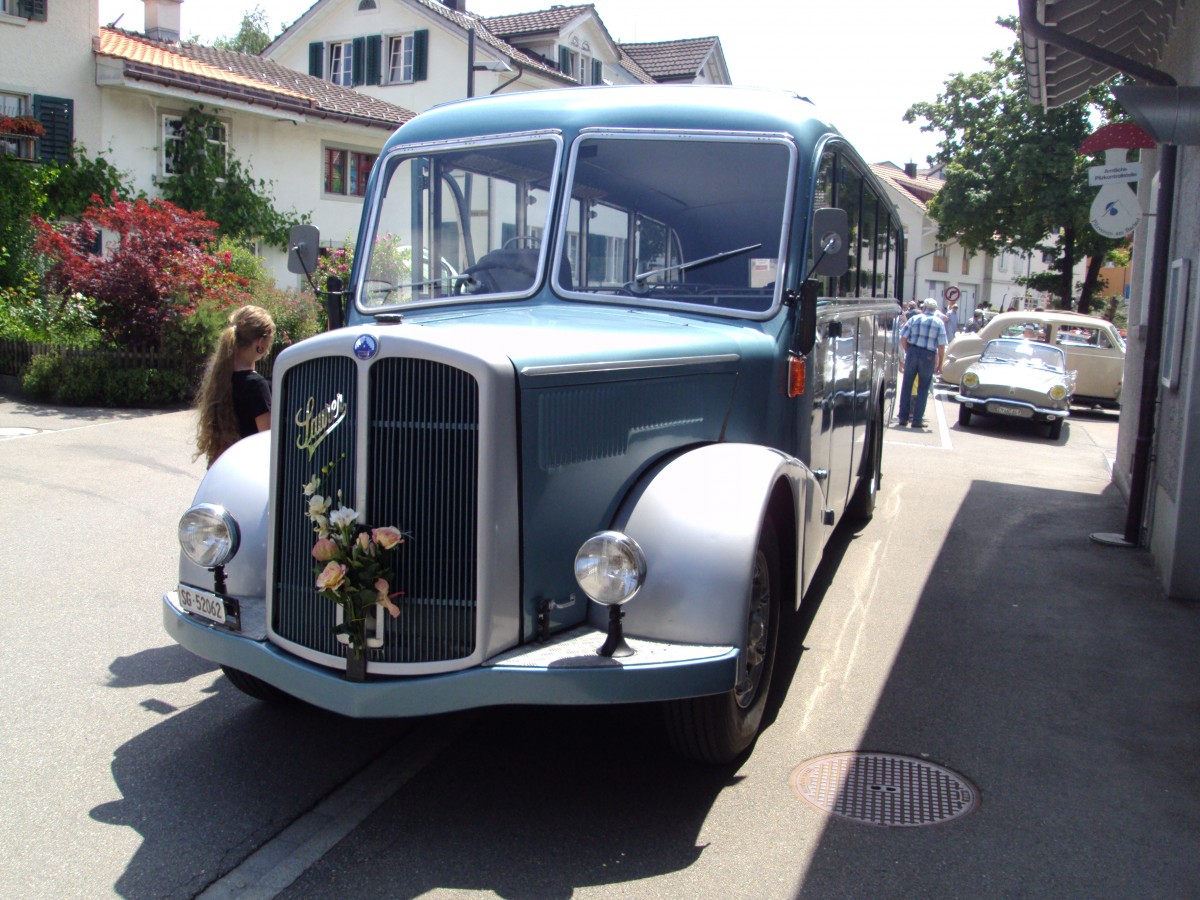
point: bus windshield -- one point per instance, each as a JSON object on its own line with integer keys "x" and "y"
{"x": 688, "y": 219}
{"x": 459, "y": 223}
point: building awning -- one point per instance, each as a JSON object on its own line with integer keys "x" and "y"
{"x": 1133, "y": 32}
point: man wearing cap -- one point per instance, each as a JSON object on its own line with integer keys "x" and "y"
{"x": 923, "y": 345}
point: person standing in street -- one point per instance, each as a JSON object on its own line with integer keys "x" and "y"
{"x": 951, "y": 320}
{"x": 923, "y": 345}
{"x": 234, "y": 401}
{"x": 976, "y": 322}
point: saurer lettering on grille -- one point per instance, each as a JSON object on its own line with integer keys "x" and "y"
{"x": 317, "y": 424}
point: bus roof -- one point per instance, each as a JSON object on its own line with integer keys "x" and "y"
{"x": 668, "y": 107}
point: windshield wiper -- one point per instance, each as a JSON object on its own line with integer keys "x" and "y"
{"x": 716, "y": 257}
{"x": 388, "y": 291}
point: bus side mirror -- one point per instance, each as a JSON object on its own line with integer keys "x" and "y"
{"x": 303, "y": 243}
{"x": 830, "y": 242}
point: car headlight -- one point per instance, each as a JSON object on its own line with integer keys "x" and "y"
{"x": 970, "y": 380}
{"x": 208, "y": 535}
{"x": 1058, "y": 392}
{"x": 610, "y": 567}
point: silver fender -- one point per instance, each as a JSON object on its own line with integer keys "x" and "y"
{"x": 240, "y": 481}
{"x": 697, "y": 519}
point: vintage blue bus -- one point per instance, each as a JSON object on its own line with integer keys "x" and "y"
{"x": 616, "y": 361}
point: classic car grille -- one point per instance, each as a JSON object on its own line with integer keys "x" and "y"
{"x": 421, "y": 473}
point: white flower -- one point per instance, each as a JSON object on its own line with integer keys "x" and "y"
{"x": 318, "y": 506}
{"x": 311, "y": 487}
{"x": 343, "y": 517}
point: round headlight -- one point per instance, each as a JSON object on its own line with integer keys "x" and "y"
{"x": 1058, "y": 392}
{"x": 970, "y": 380}
{"x": 610, "y": 567}
{"x": 208, "y": 535}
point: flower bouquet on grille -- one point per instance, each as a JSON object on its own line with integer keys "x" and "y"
{"x": 351, "y": 564}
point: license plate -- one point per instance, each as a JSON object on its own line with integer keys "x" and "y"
{"x": 1004, "y": 410}
{"x": 202, "y": 603}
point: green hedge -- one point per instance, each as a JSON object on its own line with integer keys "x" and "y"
{"x": 88, "y": 380}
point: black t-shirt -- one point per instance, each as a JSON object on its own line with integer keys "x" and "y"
{"x": 251, "y": 398}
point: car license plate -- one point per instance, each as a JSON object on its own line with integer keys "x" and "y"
{"x": 202, "y": 603}
{"x": 1005, "y": 410}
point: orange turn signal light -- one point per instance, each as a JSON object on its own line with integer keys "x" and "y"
{"x": 796, "y": 376}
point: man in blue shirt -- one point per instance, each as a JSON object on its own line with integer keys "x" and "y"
{"x": 923, "y": 343}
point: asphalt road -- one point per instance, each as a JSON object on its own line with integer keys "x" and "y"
{"x": 971, "y": 623}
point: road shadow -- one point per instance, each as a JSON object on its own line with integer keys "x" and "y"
{"x": 1051, "y": 672}
{"x": 207, "y": 786}
{"x": 534, "y": 802}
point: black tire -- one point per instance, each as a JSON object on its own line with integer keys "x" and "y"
{"x": 862, "y": 504}
{"x": 716, "y": 729}
{"x": 1056, "y": 429}
{"x": 964, "y": 415}
{"x": 255, "y": 687}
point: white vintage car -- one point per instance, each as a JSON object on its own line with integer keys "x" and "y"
{"x": 1094, "y": 349}
{"x": 1018, "y": 379}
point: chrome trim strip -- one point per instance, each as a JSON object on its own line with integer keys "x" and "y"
{"x": 627, "y": 366}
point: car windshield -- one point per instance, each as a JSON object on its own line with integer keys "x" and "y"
{"x": 684, "y": 219}
{"x": 1025, "y": 353}
{"x": 473, "y": 216}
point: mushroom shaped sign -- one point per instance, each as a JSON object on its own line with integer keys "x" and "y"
{"x": 1115, "y": 211}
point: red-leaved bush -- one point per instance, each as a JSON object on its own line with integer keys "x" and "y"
{"x": 159, "y": 268}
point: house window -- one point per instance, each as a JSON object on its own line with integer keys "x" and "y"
{"x": 13, "y": 139}
{"x": 966, "y": 268}
{"x": 365, "y": 5}
{"x": 580, "y": 66}
{"x": 217, "y": 138}
{"x": 400, "y": 59}
{"x": 346, "y": 171}
{"x": 941, "y": 262}
{"x": 341, "y": 63}
{"x": 1003, "y": 259}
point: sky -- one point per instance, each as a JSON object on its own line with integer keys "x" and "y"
{"x": 863, "y": 62}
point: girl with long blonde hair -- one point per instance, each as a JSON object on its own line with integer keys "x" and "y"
{"x": 234, "y": 401}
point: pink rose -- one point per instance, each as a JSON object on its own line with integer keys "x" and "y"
{"x": 387, "y": 537}
{"x": 324, "y": 550}
{"x": 332, "y": 577}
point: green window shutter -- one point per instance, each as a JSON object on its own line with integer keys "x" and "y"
{"x": 57, "y": 115}
{"x": 421, "y": 54}
{"x": 374, "y": 51}
{"x": 358, "y": 61}
{"x": 33, "y": 9}
{"x": 597, "y": 72}
{"x": 564, "y": 59}
{"x": 316, "y": 59}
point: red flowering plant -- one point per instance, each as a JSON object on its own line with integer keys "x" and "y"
{"x": 351, "y": 563}
{"x": 26, "y": 126}
{"x": 154, "y": 273}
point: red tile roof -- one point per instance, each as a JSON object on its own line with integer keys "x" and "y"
{"x": 244, "y": 77}
{"x": 538, "y": 22}
{"x": 672, "y": 60}
{"x": 920, "y": 190}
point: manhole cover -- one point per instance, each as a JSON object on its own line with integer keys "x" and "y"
{"x": 883, "y": 789}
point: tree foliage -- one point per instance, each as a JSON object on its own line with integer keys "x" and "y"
{"x": 1013, "y": 176}
{"x": 253, "y": 36}
{"x": 157, "y": 271}
{"x": 215, "y": 183}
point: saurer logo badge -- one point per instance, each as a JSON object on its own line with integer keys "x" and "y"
{"x": 316, "y": 424}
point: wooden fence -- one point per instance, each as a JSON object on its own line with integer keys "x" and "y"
{"x": 16, "y": 354}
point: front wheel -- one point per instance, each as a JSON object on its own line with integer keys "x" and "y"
{"x": 964, "y": 415}
{"x": 1056, "y": 429}
{"x": 255, "y": 687}
{"x": 717, "y": 728}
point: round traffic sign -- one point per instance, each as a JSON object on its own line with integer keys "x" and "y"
{"x": 951, "y": 294}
